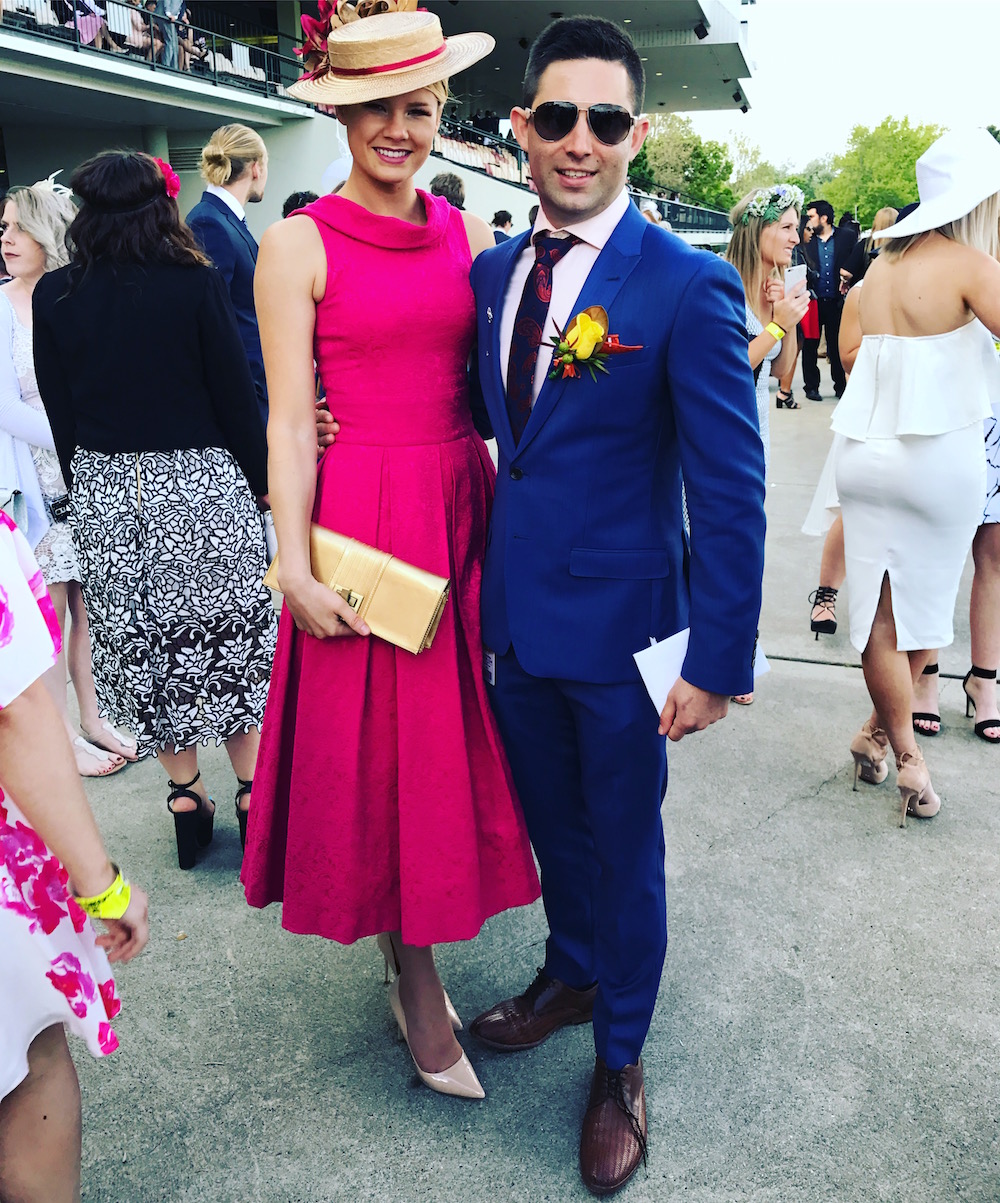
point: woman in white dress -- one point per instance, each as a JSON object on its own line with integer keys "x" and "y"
{"x": 33, "y": 225}
{"x": 911, "y": 475}
{"x": 765, "y": 233}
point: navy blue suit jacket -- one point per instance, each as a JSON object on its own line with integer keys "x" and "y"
{"x": 231, "y": 247}
{"x": 587, "y": 557}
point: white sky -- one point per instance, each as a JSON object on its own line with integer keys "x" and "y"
{"x": 824, "y": 66}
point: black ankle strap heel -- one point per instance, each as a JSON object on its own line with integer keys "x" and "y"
{"x": 241, "y": 814}
{"x": 192, "y": 828}
{"x": 989, "y": 729}
{"x": 824, "y": 596}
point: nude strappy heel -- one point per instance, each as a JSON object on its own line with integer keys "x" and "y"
{"x": 869, "y": 749}
{"x": 916, "y": 794}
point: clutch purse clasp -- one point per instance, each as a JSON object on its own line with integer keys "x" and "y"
{"x": 353, "y": 599}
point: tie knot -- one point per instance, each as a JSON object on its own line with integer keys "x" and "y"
{"x": 549, "y": 249}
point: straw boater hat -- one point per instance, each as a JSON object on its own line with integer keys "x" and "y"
{"x": 386, "y": 54}
{"x": 954, "y": 175}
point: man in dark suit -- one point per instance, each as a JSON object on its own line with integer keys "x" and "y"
{"x": 829, "y": 250}
{"x": 218, "y": 221}
{"x": 587, "y": 559}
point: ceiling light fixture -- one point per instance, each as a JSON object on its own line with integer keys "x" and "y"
{"x": 737, "y": 96}
{"x": 744, "y": 108}
{"x": 701, "y": 31}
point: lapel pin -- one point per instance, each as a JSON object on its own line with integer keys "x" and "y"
{"x": 489, "y": 313}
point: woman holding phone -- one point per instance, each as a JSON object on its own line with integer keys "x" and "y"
{"x": 765, "y": 233}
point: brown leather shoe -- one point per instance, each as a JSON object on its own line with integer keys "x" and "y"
{"x": 613, "y": 1140}
{"x": 525, "y": 1021}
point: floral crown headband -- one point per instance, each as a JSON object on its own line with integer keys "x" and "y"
{"x": 171, "y": 186}
{"x": 769, "y": 203}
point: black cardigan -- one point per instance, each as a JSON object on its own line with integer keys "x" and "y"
{"x": 145, "y": 358}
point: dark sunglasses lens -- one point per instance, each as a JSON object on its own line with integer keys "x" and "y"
{"x": 610, "y": 123}
{"x": 554, "y": 119}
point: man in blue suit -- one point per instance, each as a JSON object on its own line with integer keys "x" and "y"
{"x": 234, "y": 167}
{"x": 588, "y": 560}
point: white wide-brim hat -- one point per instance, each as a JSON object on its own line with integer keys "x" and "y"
{"x": 386, "y": 55}
{"x": 954, "y": 175}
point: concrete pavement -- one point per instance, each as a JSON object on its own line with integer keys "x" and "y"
{"x": 827, "y": 1027}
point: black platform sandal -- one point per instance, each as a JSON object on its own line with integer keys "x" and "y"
{"x": 241, "y": 815}
{"x": 193, "y": 828}
{"x": 823, "y": 597}
{"x": 925, "y": 715}
{"x": 786, "y": 400}
{"x": 988, "y": 724}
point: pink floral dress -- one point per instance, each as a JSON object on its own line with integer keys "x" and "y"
{"x": 51, "y": 970}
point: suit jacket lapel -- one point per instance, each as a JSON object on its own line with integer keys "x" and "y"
{"x": 608, "y": 275}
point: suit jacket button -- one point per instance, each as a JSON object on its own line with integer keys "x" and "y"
{"x": 516, "y": 473}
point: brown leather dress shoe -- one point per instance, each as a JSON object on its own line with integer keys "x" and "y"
{"x": 613, "y": 1140}
{"x": 525, "y": 1021}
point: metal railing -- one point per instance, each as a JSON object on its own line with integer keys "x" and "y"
{"x": 136, "y": 32}
{"x": 500, "y": 158}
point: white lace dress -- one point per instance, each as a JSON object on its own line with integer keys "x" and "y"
{"x": 55, "y": 554}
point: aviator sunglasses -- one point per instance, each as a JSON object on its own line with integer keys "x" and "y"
{"x": 609, "y": 123}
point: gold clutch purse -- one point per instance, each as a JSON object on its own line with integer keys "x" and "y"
{"x": 400, "y": 603}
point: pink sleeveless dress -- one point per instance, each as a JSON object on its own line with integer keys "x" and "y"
{"x": 382, "y": 798}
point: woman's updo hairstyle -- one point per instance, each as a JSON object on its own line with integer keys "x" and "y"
{"x": 230, "y": 152}
{"x": 126, "y": 216}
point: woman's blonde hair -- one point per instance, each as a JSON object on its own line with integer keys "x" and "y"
{"x": 45, "y": 215}
{"x": 979, "y": 229}
{"x": 230, "y": 152}
{"x": 882, "y": 220}
{"x": 743, "y": 251}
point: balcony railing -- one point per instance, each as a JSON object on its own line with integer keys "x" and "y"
{"x": 496, "y": 156}
{"x": 133, "y": 31}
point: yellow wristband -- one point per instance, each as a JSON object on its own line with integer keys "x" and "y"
{"x": 112, "y": 903}
{"x": 775, "y": 331}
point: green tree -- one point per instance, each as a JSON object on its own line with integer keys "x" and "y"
{"x": 994, "y": 131}
{"x": 877, "y": 169}
{"x": 668, "y": 149}
{"x": 639, "y": 174}
{"x": 706, "y": 177}
{"x": 750, "y": 169}
{"x": 813, "y": 178}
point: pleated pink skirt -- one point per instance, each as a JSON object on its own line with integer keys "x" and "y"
{"x": 382, "y": 798}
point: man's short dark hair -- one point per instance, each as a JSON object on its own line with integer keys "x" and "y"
{"x": 823, "y": 209}
{"x": 450, "y": 186}
{"x": 570, "y": 38}
{"x": 502, "y": 218}
{"x": 297, "y": 200}
{"x": 532, "y": 214}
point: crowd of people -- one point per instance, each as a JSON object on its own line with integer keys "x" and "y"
{"x": 630, "y": 410}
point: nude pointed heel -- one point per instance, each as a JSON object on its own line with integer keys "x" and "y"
{"x": 458, "y": 1080}
{"x": 384, "y": 942}
{"x": 869, "y": 749}
{"x": 916, "y": 794}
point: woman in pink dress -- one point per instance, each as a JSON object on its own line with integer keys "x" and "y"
{"x": 54, "y": 872}
{"x": 383, "y": 804}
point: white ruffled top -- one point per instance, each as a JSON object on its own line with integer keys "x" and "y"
{"x": 923, "y": 385}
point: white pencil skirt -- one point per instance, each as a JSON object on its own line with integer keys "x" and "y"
{"x": 911, "y": 506}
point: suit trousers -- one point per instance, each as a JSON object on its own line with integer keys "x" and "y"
{"x": 830, "y": 309}
{"x": 591, "y": 773}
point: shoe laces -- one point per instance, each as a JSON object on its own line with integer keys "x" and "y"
{"x": 615, "y": 1087}
{"x": 825, "y": 596}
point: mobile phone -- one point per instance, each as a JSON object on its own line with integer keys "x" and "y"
{"x": 793, "y": 277}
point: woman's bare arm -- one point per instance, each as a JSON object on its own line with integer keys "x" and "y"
{"x": 289, "y": 280}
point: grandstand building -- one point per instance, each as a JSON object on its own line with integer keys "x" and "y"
{"x": 70, "y": 86}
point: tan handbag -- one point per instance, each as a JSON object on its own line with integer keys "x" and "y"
{"x": 400, "y": 603}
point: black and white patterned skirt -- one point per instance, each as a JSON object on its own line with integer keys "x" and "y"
{"x": 171, "y": 554}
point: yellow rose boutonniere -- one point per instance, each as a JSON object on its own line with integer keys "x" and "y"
{"x": 586, "y": 342}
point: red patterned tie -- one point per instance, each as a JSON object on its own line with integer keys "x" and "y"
{"x": 529, "y": 327}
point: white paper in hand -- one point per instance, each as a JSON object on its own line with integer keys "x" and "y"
{"x": 660, "y": 665}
